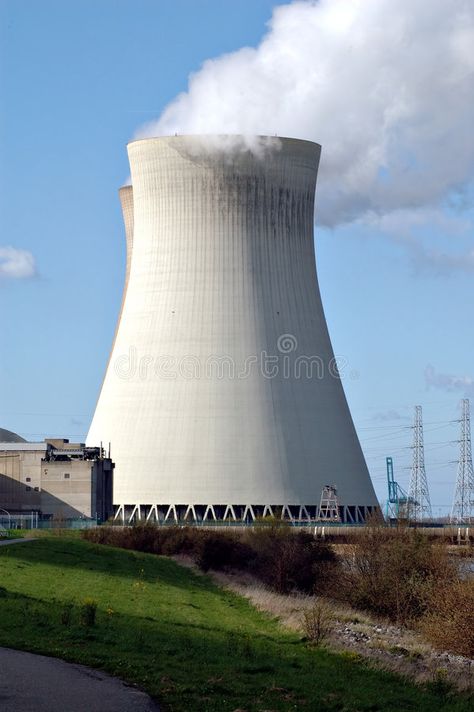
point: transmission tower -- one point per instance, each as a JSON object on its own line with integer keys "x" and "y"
{"x": 463, "y": 502}
{"x": 418, "y": 494}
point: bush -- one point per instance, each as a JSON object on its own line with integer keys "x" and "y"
{"x": 317, "y": 622}
{"x": 449, "y": 621}
{"x": 87, "y": 612}
{"x": 219, "y": 550}
{"x": 286, "y": 560}
{"x": 394, "y": 573}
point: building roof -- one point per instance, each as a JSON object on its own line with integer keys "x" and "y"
{"x": 6, "y": 436}
{"x": 23, "y": 447}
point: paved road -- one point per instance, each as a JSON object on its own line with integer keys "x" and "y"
{"x": 35, "y": 683}
{"x": 5, "y": 542}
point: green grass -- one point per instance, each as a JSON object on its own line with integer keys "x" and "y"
{"x": 191, "y": 645}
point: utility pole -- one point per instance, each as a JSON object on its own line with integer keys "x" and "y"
{"x": 462, "y": 511}
{"x": 418, "y": 494}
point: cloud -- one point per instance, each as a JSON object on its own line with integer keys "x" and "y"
{"x": 386, "y": 87}
{"x": 16, "y": 264}
{"x": 403, "y": 227}
{"x": 388, "y": 415}
{"x": 449, "y": 383}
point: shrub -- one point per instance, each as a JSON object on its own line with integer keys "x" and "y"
{"x": 393, "y": 573}
{"x": 449, "y": 621}
{"x": 286, "y": 560}
{"x": 317, "y": 622}
{"x": 87, "y": 612}
{"x": 219, "y": 550}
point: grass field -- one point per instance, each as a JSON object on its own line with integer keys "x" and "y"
{"x": 191, "y": 645}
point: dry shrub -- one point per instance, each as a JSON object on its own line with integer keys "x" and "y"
{"x": 449, "y": 622}
{"x": 394, "y": 573}
{"x": 285, "y": 560}
{"x": 317, "y": 622}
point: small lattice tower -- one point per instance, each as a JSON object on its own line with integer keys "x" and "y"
{"x": 329, "y": 504}
{"x": 463, "y": 503}
{"x": 419, "y": 507}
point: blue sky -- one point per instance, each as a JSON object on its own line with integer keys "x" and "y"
{"x": 76, "y": 80}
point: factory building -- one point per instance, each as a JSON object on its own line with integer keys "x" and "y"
{"x": 222, "y": 398}
{"x": 58, "y": 479}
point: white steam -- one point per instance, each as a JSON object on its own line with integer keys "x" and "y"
{"x": 387, "y": 88}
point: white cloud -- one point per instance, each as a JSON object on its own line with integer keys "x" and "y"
{"x": 449, "y": 382}
{"x": 386, "y": 87}
{"x": 16, "y": 264}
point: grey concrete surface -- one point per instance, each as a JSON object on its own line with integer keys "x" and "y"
{"x": 6, "y": 542}
{"x": 35, "y": 683}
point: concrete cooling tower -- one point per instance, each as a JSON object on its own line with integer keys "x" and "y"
{"x": 221, "y": 398}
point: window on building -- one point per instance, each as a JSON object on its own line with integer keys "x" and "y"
{"x": 28, "y": 489}
{"x": 28, "y": 479}
{"x": 66, "y": 475}
{"x": 36, "y": 489}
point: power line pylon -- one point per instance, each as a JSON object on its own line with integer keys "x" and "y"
{"x": 462, "y": 511}
{"x": 418, "y": 494}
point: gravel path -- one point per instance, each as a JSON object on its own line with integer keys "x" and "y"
{"x": 35, "y": 683}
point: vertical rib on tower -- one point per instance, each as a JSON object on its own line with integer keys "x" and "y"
{"x": 221, "y": 394}
{"x": 126, "y": 201}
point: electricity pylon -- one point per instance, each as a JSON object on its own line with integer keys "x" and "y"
{"x": 419, "y": 507}
{"x": 462, "y": 511}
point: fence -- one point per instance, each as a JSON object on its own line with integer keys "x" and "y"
{"x": 32, "y": 520}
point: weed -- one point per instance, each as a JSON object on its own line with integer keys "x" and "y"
{"x": 440, "y": 684}
{"x": 317, "y": 622}
{"x": 87, "y": 612}
{"x": 66, "y": 613}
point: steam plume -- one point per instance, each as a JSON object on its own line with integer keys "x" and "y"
{"x": 386, "y": 87}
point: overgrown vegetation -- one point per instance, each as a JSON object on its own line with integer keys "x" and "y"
{"x": 190, "y": 644}
{"x": 403, "y": 576}
{"x": 400, "y": 574}
{"x": 279, "y": 557}
{"x": 449, "y": 621}
{"x": 394, "y": 573}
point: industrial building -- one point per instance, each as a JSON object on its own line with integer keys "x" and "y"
{"x": 222, "y": 398}
{"x": 55, "y": 478}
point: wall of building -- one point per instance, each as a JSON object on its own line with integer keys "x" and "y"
{"x": 61, "y": 488}
{"x": 20, "y": 478}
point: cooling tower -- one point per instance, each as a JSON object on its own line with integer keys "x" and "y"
{"x": 221, "y": 397}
